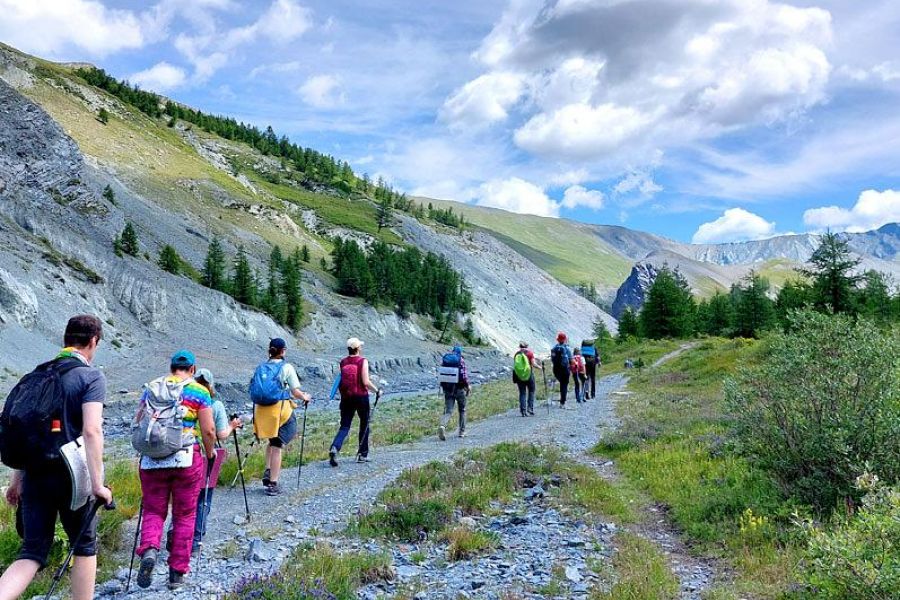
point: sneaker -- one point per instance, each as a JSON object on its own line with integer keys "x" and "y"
{"x": 274, "y": 489}
{"x": 145, "y": 571}
{"x": 266, "y": 478}
{"x": 176, "y": 579}
{"x": 524, "y": 414}
{"x": 442, "y": 433}
{"x": 530, "y": 413}
{"x": 332, "y": 457}
{"x": 362, "y": 459}
{"x": 463, "y": 434}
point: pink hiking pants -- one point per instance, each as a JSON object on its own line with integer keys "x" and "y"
{"x": 182, "y": 486}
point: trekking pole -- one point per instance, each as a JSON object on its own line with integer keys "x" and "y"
{"x": 209, "y": 468}
{"x": 368, "y": 423}
{"x": 92, "y": 512}
{"x": 302, "y": 443}
{"x": 240, "y": 473}
{"x": 137, "y": 531}
{"x": 546, "y": 389}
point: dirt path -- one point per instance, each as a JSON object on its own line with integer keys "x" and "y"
{"x": 327, "y": 496}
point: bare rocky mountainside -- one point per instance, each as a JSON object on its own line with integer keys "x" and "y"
{"x": 182, "y": 186}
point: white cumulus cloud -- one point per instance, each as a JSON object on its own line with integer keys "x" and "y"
{"x": 56, "y": 28}
{"x": 578, "y": 195}
{"x": 581, "y": 131}
{"x": 872, "y": 210}
{"x": 517, "y": 195}
{"x": 322, "y": 91}
{"x": 161, "y": 77}
{"x": 482, "y": 101}
{"x": 735, "y": 225}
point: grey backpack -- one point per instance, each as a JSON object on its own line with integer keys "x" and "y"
{"x": 159, "y": 432}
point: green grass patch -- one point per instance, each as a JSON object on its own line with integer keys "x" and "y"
{"x": 673, "y": 443}
{"x": 424, "y": 500}
{"x": 317, "y": 572}
{"x": 464, "y": 543}
{"x": 640, "y": 572}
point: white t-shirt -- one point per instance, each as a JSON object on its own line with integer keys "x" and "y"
{"x": 288, "y": 376}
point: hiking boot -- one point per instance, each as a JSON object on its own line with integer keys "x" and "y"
{"x": 145, "y": 571}
{"x": 332, "y": 457}
{"x": 531, "y": 413}
{"x": 195, "y": 550}
{"x": 442, "y": 433}
{"x": 274, "y": 489}
{"x": 266, "y": 478}
{"x": 176, "y": 579}
{"x": 524, "y": 414}
{"x": 169, "y": 541}
{"x": 362, "y": 459}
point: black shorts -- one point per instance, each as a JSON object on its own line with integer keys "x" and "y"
{"x": 46, "y": 494}
{"x": 286, "y": 433}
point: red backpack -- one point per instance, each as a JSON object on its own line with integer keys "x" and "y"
{"x": 351, "y": 385}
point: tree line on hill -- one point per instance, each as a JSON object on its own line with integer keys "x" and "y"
{"x": 314, "y": 165}
{"x": 830, "y": 283}
{"x": 404, "y": 278}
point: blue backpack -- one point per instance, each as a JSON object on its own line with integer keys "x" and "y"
{"x": 265, "y": 386}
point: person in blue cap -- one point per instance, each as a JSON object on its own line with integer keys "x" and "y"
{"x": 454, "y": 380}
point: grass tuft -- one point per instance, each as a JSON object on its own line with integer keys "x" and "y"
{"x": 641, "y": 572}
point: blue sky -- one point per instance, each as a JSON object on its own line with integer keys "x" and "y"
{"x": 711, "y": 120}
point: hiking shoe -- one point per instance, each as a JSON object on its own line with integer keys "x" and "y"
{"x": 176, "y": 579}
{"x": 145, "y": 572}
{"x": 463, "y": 434}
{"x": 530, "y": 413}
{"x": 332, "y": 457}
{"x": 362, "y": 459}
{"x": 442, "y": 433}
{"x": 524, "y": 414}
{"x": 274, "y": 489}
{"x": 169, "y": 541}
{"x": 195, "y": 550}
{"x": 266, "y": 478}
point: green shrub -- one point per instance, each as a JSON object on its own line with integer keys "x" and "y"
{"x": 822, "y": 407}
{"x": 859, "y": 558}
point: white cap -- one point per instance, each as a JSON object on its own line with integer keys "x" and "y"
{"x": 354, "y": 343}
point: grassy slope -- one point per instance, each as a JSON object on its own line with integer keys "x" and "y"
{"x": 673, "y": 445}
{"x": 567, "y": 250}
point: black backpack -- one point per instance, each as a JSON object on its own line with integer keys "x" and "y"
{"x": 558, "y": 357}
{"x": 27, "y": 439}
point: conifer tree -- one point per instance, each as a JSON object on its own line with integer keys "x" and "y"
{"x": 831, "y": 268}
{"x": 169, "y": 260}
{"x": 213, "y": 275}
{"x": 304, "y": 253}
{"x": 129, "y": 240}
{"x": 109, "y": 195}
{"x": 669, "y": 310}
{"x": 243, "y": 284}
{"x": 383, "y": 213}
{"x": 754, "y": 310}
{"x": 628, "y": 325}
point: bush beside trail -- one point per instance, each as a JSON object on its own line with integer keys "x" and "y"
{"x": 822, "y": 408}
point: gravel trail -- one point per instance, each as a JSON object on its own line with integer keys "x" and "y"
{"x": 327, "y": 497}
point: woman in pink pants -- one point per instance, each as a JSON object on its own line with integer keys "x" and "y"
{"x": 177, "y": 478}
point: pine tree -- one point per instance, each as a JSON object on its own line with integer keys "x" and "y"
{"x": 600, "y": 331}
{"x": 129, "y": 241}
{"x": 874, "y": 298}
{"x": 213, "y": 275}
{"x": 169, "y": 260}
{"x": 383, "y": 214}
{"x": 669, "y": 310}
{"x": 304, "y": 253}
{"x": 718, "y": 316}
{"x": 793, "y": 296}
{"x": 831, "y": 270}
{"x": 243, "y": 284}
{"x": 628, "y": 325}
{"x": 754, "y": 310}
{"x": 109, "y": 195}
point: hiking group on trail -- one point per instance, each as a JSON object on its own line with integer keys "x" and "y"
{"x": 51, "y": 436}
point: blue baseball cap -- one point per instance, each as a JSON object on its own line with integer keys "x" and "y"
{"x": 457, "y": 350}
{"x": 183, "y": 359}
{"x": 277, "y": 344}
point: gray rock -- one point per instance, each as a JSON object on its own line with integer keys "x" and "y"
{"x": 256, "y": 552}
{"x": 573, "y": 574}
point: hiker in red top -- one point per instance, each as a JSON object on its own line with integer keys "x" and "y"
{"x": 579, "y": 374}
{"x": 354, "y": 386}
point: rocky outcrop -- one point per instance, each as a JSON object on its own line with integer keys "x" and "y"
{"x": 633, "y": 291}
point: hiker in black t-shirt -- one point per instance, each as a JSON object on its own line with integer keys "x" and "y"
{"x": 45, "y": 492}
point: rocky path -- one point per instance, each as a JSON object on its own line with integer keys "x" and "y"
{"x": 327, "y": 497}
